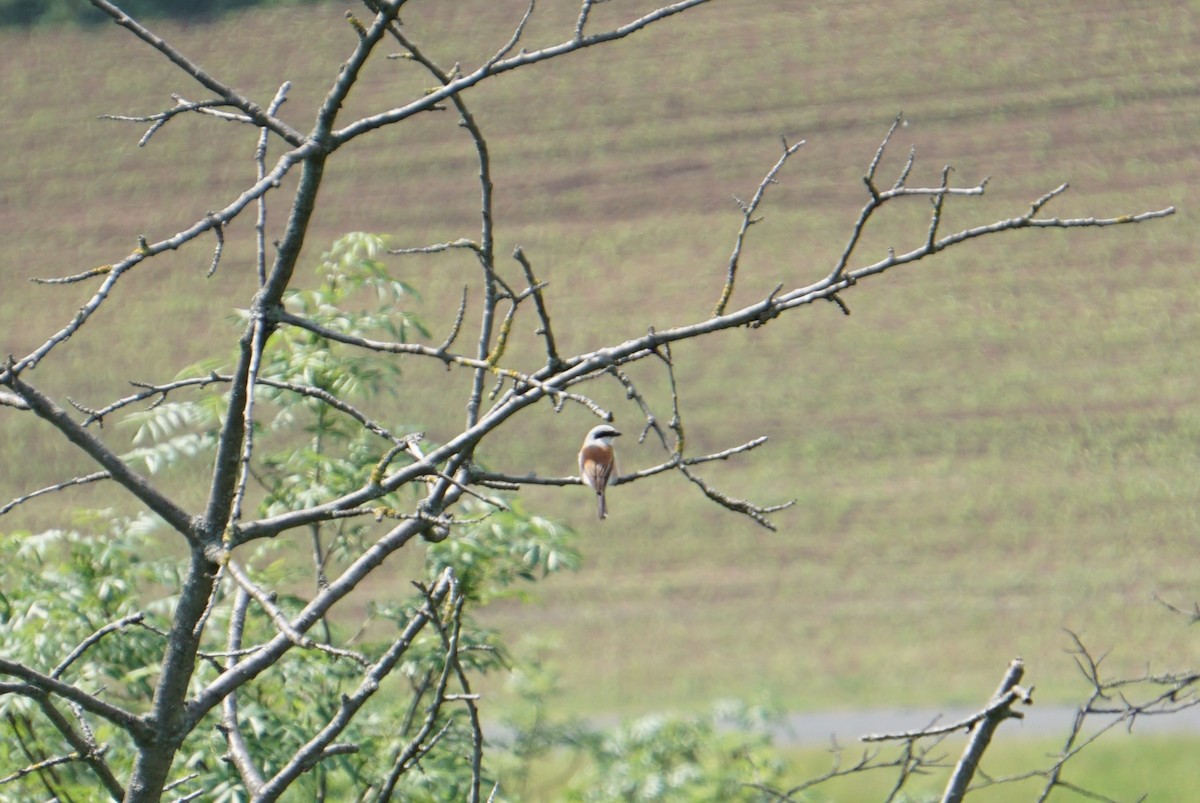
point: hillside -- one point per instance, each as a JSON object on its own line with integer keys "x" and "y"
{"x": 995, "y": 445}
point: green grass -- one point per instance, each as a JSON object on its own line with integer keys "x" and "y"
{"x": 996, "y": 445}
{"x": 1121, "y": 768}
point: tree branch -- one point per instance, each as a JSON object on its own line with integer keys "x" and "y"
{"x": 45, "y": 684}
{"x": 116, "y": 468}
{"x": 239, "y": 752}
{"x": 522, "y": 59}
{"x": 111, "y": 627}
{"x": 312, "y": 752}
{"x": 749, "y": 220}
{"x": 112, "y": 273}
{"x": 266, "y": 600}
{"x": 999, "y": 710}
{"x": 84, "y": 480}
{"x": 251, "y": 109}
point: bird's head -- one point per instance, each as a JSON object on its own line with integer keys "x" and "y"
{"x": 602, "y": 434}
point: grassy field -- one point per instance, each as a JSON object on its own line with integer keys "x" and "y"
{"x": 997, "y": 444}
{"x": 1124, "y": 768}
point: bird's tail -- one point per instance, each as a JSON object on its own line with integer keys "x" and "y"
{"x": 601, "y": 508}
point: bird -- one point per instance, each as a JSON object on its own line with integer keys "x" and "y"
{"x": 598, "y": 463}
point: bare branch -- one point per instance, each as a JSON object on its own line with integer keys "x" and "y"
{"x": 758, "y": 513}
{"x": 1192, "y": 616}
{"x": 258, "y": 340}
{"x": 111, "y": 627}
{"x": 755, "y": 512}
{"x": 911, "y": 759}
{"x": 116, "y": 468}
{"x": 256, "y": 114}
{"x": 40, "y": 766}
{"x": 45, "y": 684}
{"x": 265, "y": 657}
{"x": 879, "y": 198}
{"x": 1002, "y": 703}
{"x": 84, "y": 480}
{"x": 219, "y": 232}
{"x": 239, "y": 752}
{"x": 267, "y": 601}
{"x": 514, "y": 39}
{"x": 437, "y": 248}
{"x": 314, "y": 750}
{"x": 553, "y": 361}
{"x": 112, "y": 273}
{"x": 521, "y": 59}
{"x": 12, "y": 400}
{"x": 585, "y": 9}
{"x": 456, "y": 327}
{"x": 749, "y": 220}
{"x": 449, "y": 358}
{"x": 182, "y": 106}
{"x": 484, "y": 251}
{"x": 869, "y": 178}
{"x": 450, "y": 640}
{"x": 260, "y": 167}
{"x": 1006, "y": 694}
{"x": 425, "y": 738}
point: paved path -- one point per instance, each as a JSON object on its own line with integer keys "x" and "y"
{"x": 821, "y": 729}
{"x": 1040, "y": 721}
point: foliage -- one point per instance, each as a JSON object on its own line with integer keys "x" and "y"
{"x": 717, "y": 756}
{"x": 103, "y": 572}
{"x": 726, "y": 753}
{"x": 107, "y": 569}
{"x": 59, "y": 588}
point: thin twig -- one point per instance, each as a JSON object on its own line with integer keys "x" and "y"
{"x": 84, "y": 480}
{"x": 749, "y": 220}
{"x": 260, "y": 167}
{"x": 111, "y": 627}
{"x": 267, "y": 602}
{"x": 315, "y": 749}
{"x": 239, "y": 751}
{"x": 231, "y": 97}
{"x": 553, "y": 361}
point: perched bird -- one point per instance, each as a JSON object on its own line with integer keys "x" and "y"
{"x": 598, "y": 462}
